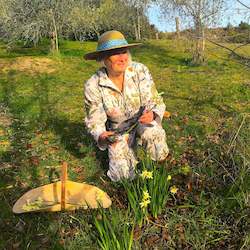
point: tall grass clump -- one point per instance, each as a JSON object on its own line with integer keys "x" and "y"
{"x": 115, "y": 229}
{"x": 237, "y": 190}
{"x": 232, "y": 163}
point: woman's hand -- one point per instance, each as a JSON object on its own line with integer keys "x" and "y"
{"x": 103, "y": 138}
{"x": 146, "y": 117}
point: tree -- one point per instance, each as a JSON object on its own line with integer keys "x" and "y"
{"x": 229, "y": 26}
{"x": 137, "y": 15}
{"x": 84, "y": 20}
{"x": 243, "y": 4}
{"x": 30, "y": 20}
{"x": 202, "y": 13}
{"x": 244, "y": 26}
{"x": 127, "y": 16}
{"x": 243, "y": 38}
{"x": 4, "y": 6}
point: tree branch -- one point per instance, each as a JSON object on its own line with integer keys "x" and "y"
{"x": 242, "y": 45}
{"x": 238, "y": 56}
{"x": 243, "y": 4}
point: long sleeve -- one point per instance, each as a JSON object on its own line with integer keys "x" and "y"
{"x": 95, "y": 114}
{"x": 150, "y": 95}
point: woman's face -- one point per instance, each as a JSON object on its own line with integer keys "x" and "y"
{"x": 118, "y": 62}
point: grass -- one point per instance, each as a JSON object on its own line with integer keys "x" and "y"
{"x": 41, "y": 125}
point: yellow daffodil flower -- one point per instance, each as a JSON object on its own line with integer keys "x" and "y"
{"x": 174, "y": 189}
{"x": 169, "y": 177}
{"x": 144, "y": 203}
{"x": 146, "y": 195}
{"x": 4, "y": 143}
{"x": 186, "y": 169}
{"x": 147, "y": 174}
{"x": 145, "y": 199}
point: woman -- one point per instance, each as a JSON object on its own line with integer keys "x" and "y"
{"x": 114, "y": 95}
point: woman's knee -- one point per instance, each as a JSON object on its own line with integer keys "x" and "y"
{"x": 122, "y": 161}
{"x": 122, "y": 169}
{"x": 153, "y": 139}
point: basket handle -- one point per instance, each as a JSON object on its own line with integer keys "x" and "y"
{"x": 63, "y": 184}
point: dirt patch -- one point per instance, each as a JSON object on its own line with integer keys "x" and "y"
{"x": 29, "y": 65}
{"x": 5, "y": 118}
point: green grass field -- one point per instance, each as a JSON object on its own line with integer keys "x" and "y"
{"x": 41, "y": 125}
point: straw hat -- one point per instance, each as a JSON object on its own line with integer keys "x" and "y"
{"x": 109, "y": 42}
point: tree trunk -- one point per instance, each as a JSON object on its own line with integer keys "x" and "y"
{"x": 138, "y": 25}
{"x": 177, "y": 23}
{"x": 52, "y": 42}
{"x": 203, "y": 43}
{"x": 199, "y": 43}
{"x": 139, "y": 28}
{"x": 136, "y": 33}
{"x": 55, "y": 35}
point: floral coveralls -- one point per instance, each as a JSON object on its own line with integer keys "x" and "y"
{"x": 105, "y": 103}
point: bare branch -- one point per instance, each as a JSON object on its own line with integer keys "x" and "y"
{"x": 243, "y": 4}
{"x": 236, "y": 55}
{"x": 242, "y": 45}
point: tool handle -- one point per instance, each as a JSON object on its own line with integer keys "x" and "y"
{"x": 63, "y": 184}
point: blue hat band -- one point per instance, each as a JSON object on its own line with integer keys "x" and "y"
{"x": 112, "y": 44}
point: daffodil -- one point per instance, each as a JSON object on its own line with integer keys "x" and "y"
{"x": 144, "y": 203}
{"x": 145, "y": 199}
{"x": 174, "y": 189}
{"x": 147, "y": 174}
{"x": 5, "y": 143}
{"x": 169, "y": 177}
{"x": 146, "y": 195}
{"x": 186, "y": 169}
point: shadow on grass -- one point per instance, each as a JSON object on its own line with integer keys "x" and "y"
{"x": 24, "y": 51}
{"x": 37, "y": 113}
{"x": 24, "y": 230}
{"x": 75, "y": 138}
{"x": 160, "y": 56}
{"x": 225, "y": 110}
